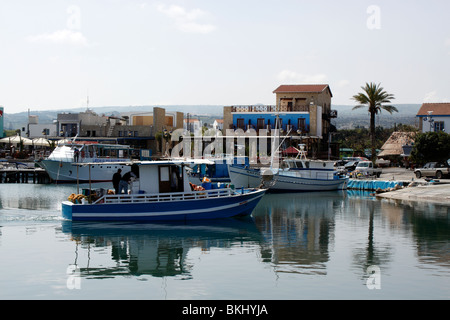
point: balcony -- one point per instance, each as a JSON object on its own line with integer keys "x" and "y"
{"x": 270, "y": 109}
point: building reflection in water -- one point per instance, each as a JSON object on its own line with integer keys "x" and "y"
{"x": 297, "y": 230}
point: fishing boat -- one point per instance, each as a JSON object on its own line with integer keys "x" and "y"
{"x": 60, "y": 163}
{"x": 161, "y": 191}
{"x": 293, "y": 175}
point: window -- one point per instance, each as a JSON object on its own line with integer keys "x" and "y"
{"x": 439, "y": 126}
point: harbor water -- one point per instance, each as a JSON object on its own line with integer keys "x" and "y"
{"x": 333, "y": 245}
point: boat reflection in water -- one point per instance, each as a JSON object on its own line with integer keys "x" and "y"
{"x": 290, "y": 233}
{"x": 156, "y": 249}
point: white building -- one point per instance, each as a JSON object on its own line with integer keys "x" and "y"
{"x": 434, "y": 117}
{"x": 218, "y": 124}
{"x": 37, "y": 130}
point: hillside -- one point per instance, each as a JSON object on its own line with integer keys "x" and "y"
{"x": 347, "y": 118}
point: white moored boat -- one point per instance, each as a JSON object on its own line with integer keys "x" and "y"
{"x": 60, "y": 163}
{"x": 154, "y": 196}
{"x": 294, "y": 175}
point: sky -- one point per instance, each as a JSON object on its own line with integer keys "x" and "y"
{"x": 56, "y": 53}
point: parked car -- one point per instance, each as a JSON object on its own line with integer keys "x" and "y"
{"x": 433, "y": 169}
{"x": 367, "y": 167}
{"x": 350, "y": 166}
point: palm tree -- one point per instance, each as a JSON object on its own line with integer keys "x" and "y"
{"x": 374, "y": 97}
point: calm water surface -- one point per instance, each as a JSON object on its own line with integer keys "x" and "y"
{"x": 339, "y": 245}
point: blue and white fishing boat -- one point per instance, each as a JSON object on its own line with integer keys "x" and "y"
{"x": 161, "y": 191}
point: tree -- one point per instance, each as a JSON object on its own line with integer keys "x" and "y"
{"x": 374, "y": 97}
{"x": 431, "y": 146}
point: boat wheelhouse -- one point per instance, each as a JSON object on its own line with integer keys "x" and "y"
{"x": 105, "y": 160}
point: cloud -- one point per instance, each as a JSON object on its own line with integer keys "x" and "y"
{"x": 434, "y": 97}
{"x": 64, "y": 36}
{"x": 289, "y": 76}
{"x": 187, "y": 21}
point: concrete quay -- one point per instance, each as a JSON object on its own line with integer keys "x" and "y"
{"x": 420, "y": 189}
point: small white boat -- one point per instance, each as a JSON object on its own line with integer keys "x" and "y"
{"x": 154, "y": 196}
{"x": 60, "y": 163}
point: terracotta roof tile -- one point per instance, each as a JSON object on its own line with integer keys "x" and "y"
{"x": 439, "y": 109}
{"x": 295, "y": 88}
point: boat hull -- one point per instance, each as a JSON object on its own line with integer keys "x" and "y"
{"x": 198, "y": 209}
{"x": 60, "y": 171}
{"x": 251, "y": 178}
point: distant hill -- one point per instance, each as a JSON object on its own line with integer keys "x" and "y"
{"x": 347, "y": 118}
{"x": 19, "y": 120}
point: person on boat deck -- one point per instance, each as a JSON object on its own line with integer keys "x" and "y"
{"x": 76, "y": 154}
{"x": 116, "y": 180}
{"x": 125, "y": 181}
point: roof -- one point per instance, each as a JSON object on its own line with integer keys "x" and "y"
{"x": 302, "y": 88}
{"x": 191, "y": 120}
{"x": 439, "y": 109}
{"x": 394, "y": 145}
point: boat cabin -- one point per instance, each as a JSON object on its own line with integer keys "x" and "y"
{"x": 89, "y": 152}
{"x": 162, "y": 177}
{"x": 292, "y": 164}
{"x": 159, "y": 177}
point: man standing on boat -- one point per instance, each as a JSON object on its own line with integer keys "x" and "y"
{"x": 125, "y": 181}
{"x": 116, "y": 180}
{"x": 76, "y": 155}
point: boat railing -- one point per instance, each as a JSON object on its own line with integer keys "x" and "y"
{"x": 159, "y": 197}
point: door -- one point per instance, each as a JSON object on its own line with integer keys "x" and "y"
{"x": 164, "y": 179}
